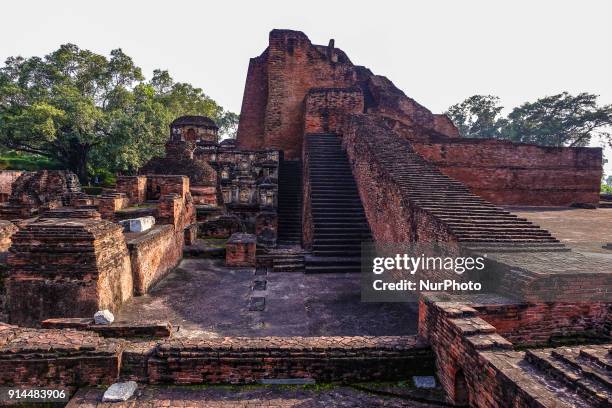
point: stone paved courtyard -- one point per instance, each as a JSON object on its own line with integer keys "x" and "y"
{"x": 584, "y": 230}
{"x": 207, "y": 299}
{"x": 247, "y": 397}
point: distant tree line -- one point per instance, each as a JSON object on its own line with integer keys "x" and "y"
{"x": 558, "y": 120}
{"x": 93, "y": 114}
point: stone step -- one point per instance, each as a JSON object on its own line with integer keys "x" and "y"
{"x": 587, "y": 366}
{"x": 507, "y": 232}
{"x": 509, "y": 250}
{"x": 495, "y": 227}
{"x": 573, "y": 377}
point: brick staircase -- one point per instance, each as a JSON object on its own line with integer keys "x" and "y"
{"x": 339, "y": 221}
{"x": 477, "y": 224}
{"x": 290, "y": 202}
{"x": 586, "y": 370}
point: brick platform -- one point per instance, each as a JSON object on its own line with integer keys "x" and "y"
{"x": 245, "y": 397}
{"x": 62, "y": 267}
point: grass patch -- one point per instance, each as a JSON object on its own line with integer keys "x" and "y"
{"x": 136, "y": 208}
{"x": 12, "y": 160}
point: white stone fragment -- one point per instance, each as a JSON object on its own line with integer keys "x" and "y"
{"x": 119, "y": 391}
{"x": 425, "y": 381}
{"x": 140, "y": 224}
{"x": 103, "y": 317}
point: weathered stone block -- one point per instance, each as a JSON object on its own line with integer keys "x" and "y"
{"x": 119, "y": 392}
{"x": 191, "y": 234}
{"x": 103, "y": 317}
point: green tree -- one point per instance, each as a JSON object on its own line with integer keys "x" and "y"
{"x": 90, "y": 112}
{"x": 478, "y": 116}
{"x": 558, "y": 120}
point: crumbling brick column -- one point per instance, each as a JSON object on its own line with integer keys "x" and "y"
{"x": 67, "y": 267}
{"x": 134, "y": 187}
{"x": 240, "y": 250}
{"x": 109, "y": 203}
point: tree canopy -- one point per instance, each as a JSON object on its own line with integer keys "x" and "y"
{"x": 558, "y": 120}
{"x": 89, "y": 112}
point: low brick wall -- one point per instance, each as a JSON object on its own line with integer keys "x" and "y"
{"x": 153, "y": 254}
{"x": 134, "y": 187}
{"x": 324, "y": 359}
{"x": 33, "y": 357}
{"x": 57, "y": 358}
{"x": 460, "y": 340}
{"x": 478, "y": 367}
{"x": 530, "y": 324}
{"x": 519, "y": 174}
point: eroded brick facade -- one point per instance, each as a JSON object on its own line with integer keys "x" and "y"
{"x": 296, "y": 87}
{"x": 67, "y": 267}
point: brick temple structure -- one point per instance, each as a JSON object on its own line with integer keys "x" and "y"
{"x": 234, "y": 183}
{"x": 328, "y": 156}
{"x": 377, "y": 166}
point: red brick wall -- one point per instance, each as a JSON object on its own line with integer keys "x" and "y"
{"x": 164, "y": 185}
{"x": 281, "y": 77}
{"x": 57, "y": 358}
{"x": 324, "y": 359}
{"x": 510, "y": 173}
{"x": 325, "y": 108}
{"x": 153, "y": 254}
{"x": 465, "y": 347}
{"x": 538, "y": 323}
{"x": 254, "y": 102}
{"x": 7, "y": 177}
{"x": 134, "y": 187}
{"x": 382, "y": 198}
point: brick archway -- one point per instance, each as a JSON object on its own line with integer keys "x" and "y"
{"x": 461, "y": 392}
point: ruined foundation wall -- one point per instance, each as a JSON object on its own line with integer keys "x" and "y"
{"x": 60, "y": 267}
{"x": 7, "y": 177}
{"x": 519, "y": 174}
{"x": 279, "y": 80}
{"x": 134, "y": 187}
{"x": 57, "y": 358}
{"x": 462, "y": 342}
{"x": 324, "y": 359}
{"x": 530, "y": 324}
{"x": 153, "y": 254}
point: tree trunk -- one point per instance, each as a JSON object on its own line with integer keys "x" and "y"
{"x": 78, "y": 161}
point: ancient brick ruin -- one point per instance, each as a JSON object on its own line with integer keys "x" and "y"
{"x": 328, "y": 156}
